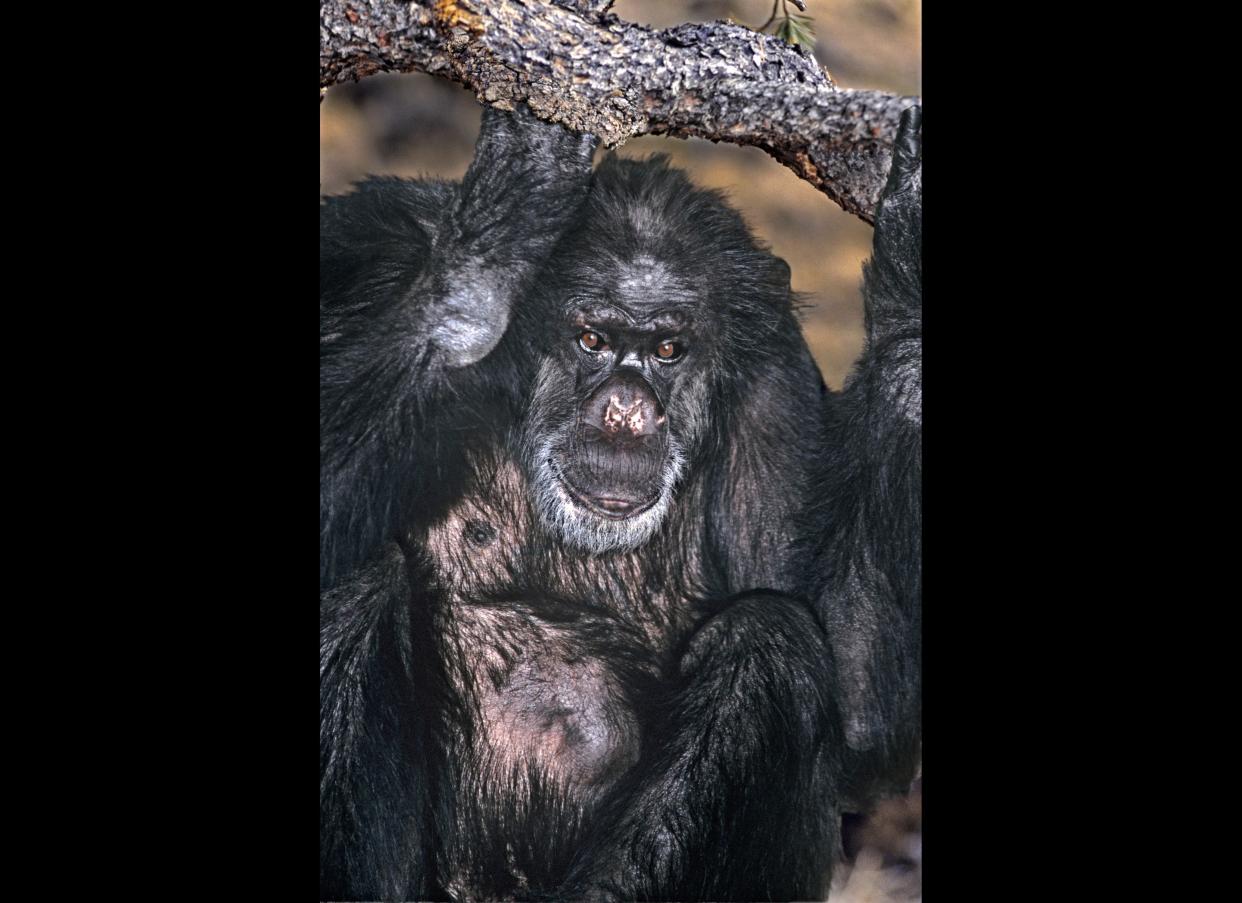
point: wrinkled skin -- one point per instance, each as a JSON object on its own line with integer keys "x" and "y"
{"x": 619, "y": 601}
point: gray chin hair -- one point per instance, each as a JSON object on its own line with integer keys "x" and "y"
{"x": 584, "y": 529}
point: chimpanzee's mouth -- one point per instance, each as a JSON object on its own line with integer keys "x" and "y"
{"x": 610, "y": 504}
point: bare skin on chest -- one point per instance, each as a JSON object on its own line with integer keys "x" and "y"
{"x": 551, "y": 649}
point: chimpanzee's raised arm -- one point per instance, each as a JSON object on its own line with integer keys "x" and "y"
{"x": 869, "y": 563}
{"x": 418, "y": 281}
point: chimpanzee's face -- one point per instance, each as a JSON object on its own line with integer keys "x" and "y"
{"x": 619, "y": 404}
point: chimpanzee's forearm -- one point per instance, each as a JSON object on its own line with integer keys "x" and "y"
{"x": 746, "y": 754}
{"x": 380, "y": 758}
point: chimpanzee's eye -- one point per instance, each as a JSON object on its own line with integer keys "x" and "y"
{"x": 670, "y": 351}
{"x": 590, "y": 340}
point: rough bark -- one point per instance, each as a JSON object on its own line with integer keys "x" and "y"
{"x": 576, "y": 64}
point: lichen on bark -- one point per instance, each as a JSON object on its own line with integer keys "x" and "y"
{"x": 575, "y": 63}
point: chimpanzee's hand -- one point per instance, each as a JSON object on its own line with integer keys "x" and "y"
{"x": 893, "y": 287}
{"x": 524, "y": 186}
{"x": 899, "y": 217}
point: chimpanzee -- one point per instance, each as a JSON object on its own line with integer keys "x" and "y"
{"x": 618, "y": 599}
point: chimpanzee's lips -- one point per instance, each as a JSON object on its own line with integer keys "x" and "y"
{"x": 610, "y": 506}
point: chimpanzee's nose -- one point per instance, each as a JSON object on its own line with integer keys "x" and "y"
{"x": 624, "y": 407}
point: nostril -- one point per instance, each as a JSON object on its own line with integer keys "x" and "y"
{"x": 636, "y": 419}
{"x": 627, "y": 413}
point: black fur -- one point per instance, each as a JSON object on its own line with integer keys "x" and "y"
{"x": 524, "y": 697}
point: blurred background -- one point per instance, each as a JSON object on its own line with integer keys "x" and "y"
{"x": 416, "y": 125}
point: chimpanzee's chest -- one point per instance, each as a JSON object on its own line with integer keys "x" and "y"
{"x": 557, "y": 655}
{"x": 544, "y": 694}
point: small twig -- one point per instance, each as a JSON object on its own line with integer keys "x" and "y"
{"x": 771, "y": 18}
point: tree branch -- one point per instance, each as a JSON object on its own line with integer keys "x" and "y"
{"x": 575, "y": 64}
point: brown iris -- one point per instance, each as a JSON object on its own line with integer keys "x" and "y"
{"x": 591, "y": 341}
{"x": 669, "y": 351}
